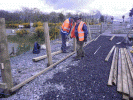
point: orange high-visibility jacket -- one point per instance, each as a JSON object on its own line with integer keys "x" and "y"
{"x": 66, "y": 25}
{"x": 80, "y": 31}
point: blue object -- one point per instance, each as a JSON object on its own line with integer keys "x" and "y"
{"x": 36, "y": 49}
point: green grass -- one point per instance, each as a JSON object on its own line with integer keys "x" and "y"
{"x": 25, "y": 39}
{"x": 25, "y": 43}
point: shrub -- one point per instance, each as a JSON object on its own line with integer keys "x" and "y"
{"x": 22, "y": 32}
{"x": 26, "y": 25}
{"x": 39, "y": 32}
{"x": 53, "y": 32}
{"x": 37, "y": 24}
{"x": 12, "y": 25}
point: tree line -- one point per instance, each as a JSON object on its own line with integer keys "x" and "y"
{"x": 27, "y": 15}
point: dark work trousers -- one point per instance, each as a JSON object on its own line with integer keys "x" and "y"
{"x": 80, "y": 51}
{"x": 63, "y": 47}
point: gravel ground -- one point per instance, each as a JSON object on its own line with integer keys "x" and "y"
{"x": 85, "y": 79}
{"x": 88, "y": 79}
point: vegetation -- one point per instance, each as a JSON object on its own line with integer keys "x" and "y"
{"x": 34, "y": 15}
{"x": 22, "y": 32}
{"x": 131, "y": 12}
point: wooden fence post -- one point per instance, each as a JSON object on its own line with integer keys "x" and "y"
{"x": 112, "y": 28}
{"x": 47, "y": 41}
{"x": 4, "y": 57}
{"x": 89, "y": 30}
{"x": 101, "y": 28}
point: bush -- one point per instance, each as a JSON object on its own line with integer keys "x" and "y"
{"x": 12, "y": 25}
{"x": 39, "y": 32}
{"x": 37, "y": 24}
{"x": 22, "y": 32}
{"x": 53, "y": 32}
{"x": 26, "y": 25}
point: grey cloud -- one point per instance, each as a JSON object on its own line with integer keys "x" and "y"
{"x": 68, "y": 4}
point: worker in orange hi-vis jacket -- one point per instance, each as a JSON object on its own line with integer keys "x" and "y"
{"x": 79, "y": 32}
{"x": 65, "y": 31}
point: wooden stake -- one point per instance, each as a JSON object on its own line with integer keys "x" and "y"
{"x": 112, "y": 38}
{"x": 45, "y": 56}
{"x": 109, "y": 54}
{"x": 4, "y": 57}
{"x": 47, "y": 41}
{"x": 41, "y": 72}
{"x": 115, "y": 67}
{"x": 124, "y": 73}
{"x": 89, "y": 31}
{"x": 130, "y": 83}
{"x": 119, "y": 81}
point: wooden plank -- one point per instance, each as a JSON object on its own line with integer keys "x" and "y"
{"x": 130, "y": 64}
{"x": 119, "y": 79}
{"x": 109, "y": 54}
{"x": 88, "y": 43}
{"x": 111, "y": 70}
{"x": 124, "y": 73}
{"x": 115, "y": 67}
{"x": 97, "y": 37}
{"x": 47, "y": 41}
{"x": 5, "y": 58}
{"x": 45, "y": 56}
{"x": 41, "y": 72}
{"x": 3, "y": 85}
{"x": 112, "y": 38}
{"x": 125, "y": 97}
{"x": 130, "y": 83}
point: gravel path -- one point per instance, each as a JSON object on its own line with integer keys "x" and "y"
{"x": 85, "y": 79}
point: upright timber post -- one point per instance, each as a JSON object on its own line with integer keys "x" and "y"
{"x": 89, "y": 30}
{"x": 47, "y": 41}
{"x": 74, "y": 43}
{"x": 101, "y": 27}
{"x": 4, "y": 58}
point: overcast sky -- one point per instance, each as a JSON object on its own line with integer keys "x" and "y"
{"x": 112, "y": 7}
